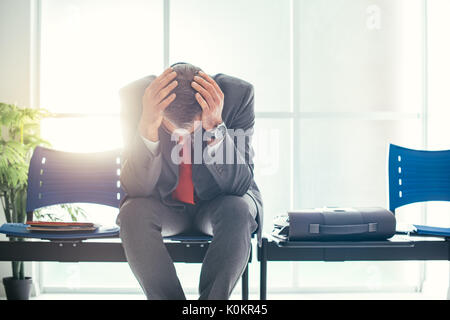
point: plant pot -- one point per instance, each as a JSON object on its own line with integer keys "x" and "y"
{"x": 17, "y": 289}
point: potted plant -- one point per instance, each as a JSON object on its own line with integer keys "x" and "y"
{"x": 19, "y": 135}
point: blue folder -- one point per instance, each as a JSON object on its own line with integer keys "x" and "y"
{"x": 432, "y": 231}
{"x": 20, "y": 230}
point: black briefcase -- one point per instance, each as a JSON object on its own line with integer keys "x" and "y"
{"x": 335, "y": 224}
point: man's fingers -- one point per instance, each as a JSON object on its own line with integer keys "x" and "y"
{"x": 212, "y": 82}
{"x": 158, "y": 79}
{"x": 155, "y": 92}
{"x": 201, "y": 102}
{"x": 205, "y": 93}
{"x": 163, "y": 82}
{"x": 166, "y": 102}
{"x": 165, "y": 73}
{"x": 209, "y": 87}
{"x": 160, "y": 82}
{"x": 162, "y": 94}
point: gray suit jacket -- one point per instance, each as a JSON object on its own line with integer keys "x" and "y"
{"x": 144, "y": 175}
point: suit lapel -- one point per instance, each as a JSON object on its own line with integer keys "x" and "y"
{"x": 169, "y": 173}
{"x": 166, "y": 150}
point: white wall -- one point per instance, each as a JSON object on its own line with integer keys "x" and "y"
{"x": 437, "y": 276}
{"x": 15, "y": 71}
{"x": 15, "y": 51}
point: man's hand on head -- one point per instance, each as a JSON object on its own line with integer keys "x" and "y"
{"x": 210, "y": 97}
{"x": 155, "y": 100}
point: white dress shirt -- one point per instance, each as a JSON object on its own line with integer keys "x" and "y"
{"x": 154, "y": 148}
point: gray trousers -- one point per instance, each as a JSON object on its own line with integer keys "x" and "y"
{"x": 145, "y": 221}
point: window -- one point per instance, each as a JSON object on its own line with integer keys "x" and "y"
{"x": 335, "y": 82}
{"x": 89, "y": 50}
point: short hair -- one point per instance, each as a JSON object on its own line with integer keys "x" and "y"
{"x": 182, "y": 111}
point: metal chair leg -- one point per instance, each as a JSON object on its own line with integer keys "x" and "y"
{"x": 263, "y": 271}
{"x": 245, "y": 284}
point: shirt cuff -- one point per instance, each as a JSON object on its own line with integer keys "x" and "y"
{"x": 212, "y": 149}
{"x": 152, "y": 146}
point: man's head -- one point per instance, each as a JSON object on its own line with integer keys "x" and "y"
{"x": 184, "y": 110}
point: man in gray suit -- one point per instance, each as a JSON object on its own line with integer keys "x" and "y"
{"x": 167, "y": 193}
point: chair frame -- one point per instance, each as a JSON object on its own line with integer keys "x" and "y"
{"x": 98, "y": 251}
{"x": 398, "y": 248}
{"x": 181, "y": 248}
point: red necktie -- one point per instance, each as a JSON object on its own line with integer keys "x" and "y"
{"x": 185, "y": 188}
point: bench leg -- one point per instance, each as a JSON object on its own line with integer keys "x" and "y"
{"x": 263, "y": 271}
{"x": 245, "y": 284}
{"x": 448, "y": 289}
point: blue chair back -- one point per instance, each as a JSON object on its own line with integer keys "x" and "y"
{"x": 57, "y": 177}
{"x": 417, "y": 176}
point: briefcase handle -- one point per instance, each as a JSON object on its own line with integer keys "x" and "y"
{"x": 343, "y": 229}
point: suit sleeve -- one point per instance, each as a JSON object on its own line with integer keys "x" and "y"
{"x": 232, "y": 166}
{"x": 140, "y": 168}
